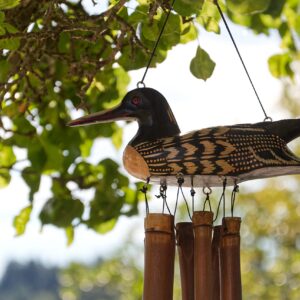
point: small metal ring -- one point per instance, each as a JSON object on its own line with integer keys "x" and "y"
{"x": 207, "y": 190}
{"x": 140, "y": 85}
{"x": 268, "y": 119}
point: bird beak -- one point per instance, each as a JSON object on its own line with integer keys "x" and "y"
{"x": 114, "y": 114}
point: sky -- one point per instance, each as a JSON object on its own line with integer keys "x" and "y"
{"x": 226, "y": 98}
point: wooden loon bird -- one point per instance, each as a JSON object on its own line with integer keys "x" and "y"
{"x": 203, "y": 157}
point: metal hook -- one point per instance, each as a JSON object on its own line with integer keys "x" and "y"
{"x": 140, "y": 85}
{"x": 268, "y": 119}
{"x": 207, "y": 191}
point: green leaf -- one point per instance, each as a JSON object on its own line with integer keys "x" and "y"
{"x": 85, "y": 147}
{"x": 117, "y": 138}
{"x": 210, "y": 24}
{"x": 275, "y": 8}
{"x": 201, "y": 65}
{"x": 209, "y": 17}
{"x": 37, "y": 155}
{"x": 70, "y": 235}
{"x": 2, "y": 30}
{"x": 53, "y": 154}
{"x": 248, "y": 7}
{"x": 10, "y": 43}
{"x": 4, "y": 70}
{"x": 32, "y": 179}
{"x": 8, "y": 4}
{"x": 21, "y": 220}
{"x": 7, "y": 156}
{"x": 150, "y": 31}
{"x": 61, "y": 211}
{"x": 189, "y": 33}
{"x": 132, "y": 60}
{"x": 4, "y": 178}
{"x": 280, "y": 65}
{"x": 188, "y": 7}
{"x": 64, "y": 42}
{"x": 171, "y": 34}
{"x": 106, "y": 226}
{"x": 2, "y": 17}
{"x": 10, "y": 28}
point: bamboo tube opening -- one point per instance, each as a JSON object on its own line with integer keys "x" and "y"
{"x": 231, "y": 284}
{"x": 202, "y": 223}
{"x": 185, "y": 248}
{"x": 159, "y": 257}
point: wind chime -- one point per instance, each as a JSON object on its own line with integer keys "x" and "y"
{"x": 209, "y": 256}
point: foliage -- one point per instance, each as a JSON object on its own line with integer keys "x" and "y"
{"x": 270, "y": 242}
{"x": 118, "y": 279}
{"x": 56, "y": 58}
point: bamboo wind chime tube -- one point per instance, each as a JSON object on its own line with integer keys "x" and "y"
{"x": 202, "y": 223}
{"x": 231, "y": 284}
{"x": 159, "y": 257}
{"x": 216, "y": 294}
{"x": 185, "y": 248}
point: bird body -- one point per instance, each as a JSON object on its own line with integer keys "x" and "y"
{"x": 202, "y": 157}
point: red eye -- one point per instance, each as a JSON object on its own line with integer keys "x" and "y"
{"x": 136, "y": 101}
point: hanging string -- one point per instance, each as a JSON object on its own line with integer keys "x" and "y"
{"x": 144, "y": 190}
{"x": 233, "y": 194}
{"x": 207, "y": 199}
{"x": 141, "y": 83}
{"x": 163, "y": 195}
{"x": 267, "y": 118}
{"x": 222, "y": 198}
{"x": 180, "y": 182}
{"x": 193, "y": 192}
{"x": 176, "y": 203}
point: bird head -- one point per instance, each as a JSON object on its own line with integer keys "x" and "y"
{"x": 145, "y": 105}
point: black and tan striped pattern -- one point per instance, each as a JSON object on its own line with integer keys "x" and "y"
{"x": 224, "y": 151}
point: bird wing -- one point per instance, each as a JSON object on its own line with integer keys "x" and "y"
{"x": 224, "y": 151}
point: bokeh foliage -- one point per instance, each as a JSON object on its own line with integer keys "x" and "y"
{"x": 56, "y": 58}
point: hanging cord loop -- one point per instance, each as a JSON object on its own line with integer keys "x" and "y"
{"x": 141, "y": 82}
{"x": 207, "y": 191}
{"x": 233, "y": 195}
{"x": 193, "y": 192}
{"x": 267, "y": 118}
{"x": 144, "y": 190}
{"x": 180, "y": 181}
{"x": 163, "y": 195}
{"x": 222, "y": 198}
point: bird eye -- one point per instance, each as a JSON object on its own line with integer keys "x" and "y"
{"x": 136, "y": 101}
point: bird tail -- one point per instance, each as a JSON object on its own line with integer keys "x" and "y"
{"x": 288, "y": 129}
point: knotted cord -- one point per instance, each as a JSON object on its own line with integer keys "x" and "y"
{"x": 144, "y": 190}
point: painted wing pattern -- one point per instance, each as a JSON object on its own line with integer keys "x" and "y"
{"x": 225, "y": 151}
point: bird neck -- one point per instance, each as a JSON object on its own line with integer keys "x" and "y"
{"x": 156, "y": 125}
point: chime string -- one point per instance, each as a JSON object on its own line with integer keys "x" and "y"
{"x": 163, "y": 195}
{"x": 233, "y": 194}
{"x": 241, "y": 59}
{"x": 156, "y": 45}
{"x": 207, "y": 200}
{"x": 222, "y": 198}
{"x": 193, "y": 192}
{"x": 144, "y": 190}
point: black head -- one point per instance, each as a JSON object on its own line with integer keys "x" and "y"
{"x": 145, "y": 105}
